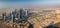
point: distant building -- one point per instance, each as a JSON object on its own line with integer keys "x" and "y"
{"x": 13, "y": 15}
{"x": 4, "y": 16}
{"x": 22, "y": 13}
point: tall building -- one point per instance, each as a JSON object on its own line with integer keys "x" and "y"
{"x": 22, "y": 14}
{"x": 15, "y": 15}
{"x": 4, "y": 16}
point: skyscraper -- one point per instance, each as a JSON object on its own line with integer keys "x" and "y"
{"x": 4, "y": 16}
{"x": 22, "y": 14}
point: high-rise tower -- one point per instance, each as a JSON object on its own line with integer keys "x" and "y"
{"x": 4, "y": 16}
{"x": 22, "y": 14}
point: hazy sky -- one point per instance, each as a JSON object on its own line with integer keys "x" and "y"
{"x": 29, "y": 3}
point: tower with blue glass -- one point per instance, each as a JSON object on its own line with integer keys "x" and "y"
{"x": 22, "y": 14}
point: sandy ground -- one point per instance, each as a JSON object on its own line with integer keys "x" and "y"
{"x": 35, "y": 22}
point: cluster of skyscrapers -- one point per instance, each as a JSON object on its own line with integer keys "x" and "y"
{"x": 15, "y": 16}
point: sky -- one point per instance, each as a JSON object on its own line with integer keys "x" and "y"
{"x": 29, "y": 3}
